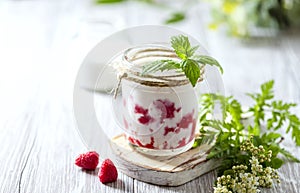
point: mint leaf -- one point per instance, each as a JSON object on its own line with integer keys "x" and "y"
{"x": 182, "y": 47}
{"x": 208, "y": 60}
{"x": 160, "y": 65}
{"x": 175, "y": 17}
{"x": 191, "y": 70}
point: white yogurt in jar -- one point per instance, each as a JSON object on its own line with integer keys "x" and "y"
{"x": 159, "y": 112}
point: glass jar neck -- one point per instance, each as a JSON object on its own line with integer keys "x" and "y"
{"x": 135, "y": 58}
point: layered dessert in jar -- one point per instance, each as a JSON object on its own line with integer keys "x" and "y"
{"x": 159, "y": 110}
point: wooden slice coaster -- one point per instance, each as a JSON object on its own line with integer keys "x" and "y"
{"x": 166, "y": 170}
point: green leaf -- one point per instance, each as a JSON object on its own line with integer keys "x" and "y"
{"x": 182, "y": 47}
{"x": 295, "y": 125}
{"x": 267, "y": 89}
{"x": 229, "y": 172}
{"x": 197, "y": 142}
{"x": 191, "y": 70}
{"x": 254, "y": 130}
{"x": 270, "y": 137}
{"x": 108, "y": 1}
{"x": 274, "y": 147}
{"x": 208, "y": 60}
{"x": 148, "y": 1}
{"x": 175, "y": 17}
{"x": 275, "y": 163}
{"x": 288, "y": 155}
{"x": 261, "y": 103}
{"x": 160, "y": 65}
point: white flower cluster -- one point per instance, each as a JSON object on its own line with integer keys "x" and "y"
{"x": 244, "y": 179}
{"x": 265, "y": 175}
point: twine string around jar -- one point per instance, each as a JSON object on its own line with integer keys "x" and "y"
{"x": 132, "y": 72}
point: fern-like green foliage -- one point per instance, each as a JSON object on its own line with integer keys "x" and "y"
{"x": 229, "y": 132}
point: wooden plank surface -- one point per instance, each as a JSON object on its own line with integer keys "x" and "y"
{"x": 41, "y": 46}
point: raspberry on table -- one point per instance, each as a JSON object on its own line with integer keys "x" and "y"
{"x": 88, "y": 161}
{"x": 108, "y": 172}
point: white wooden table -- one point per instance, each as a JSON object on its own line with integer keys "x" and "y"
{"x": 42, "y": 44}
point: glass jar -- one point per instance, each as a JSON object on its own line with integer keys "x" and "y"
{"x": 159, "y": 110}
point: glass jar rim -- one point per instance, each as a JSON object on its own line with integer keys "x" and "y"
{"x": 134, "y": 58}
{"x": 132, "y": 55}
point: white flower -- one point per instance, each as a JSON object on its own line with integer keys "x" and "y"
{"x": 244, "y": 181}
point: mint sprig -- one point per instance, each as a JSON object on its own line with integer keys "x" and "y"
{"x": 191, "y": 70}
{"x": 190, "y": 63}
{"x": 182, "y": 47}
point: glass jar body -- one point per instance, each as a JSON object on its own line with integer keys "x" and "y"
{"x": 159, "y": 120}
{"x": 159, "y": 110}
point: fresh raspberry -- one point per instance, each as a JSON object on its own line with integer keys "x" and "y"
{"x": 108, "y": 172}
{"x": 88, "y": 161}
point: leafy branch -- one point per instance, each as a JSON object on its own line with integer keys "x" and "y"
{"x": 229, "y": 132}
